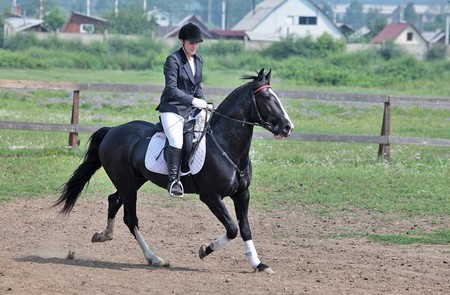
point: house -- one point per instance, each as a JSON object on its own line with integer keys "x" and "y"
{"x": 272, "y": 20}
{"x": 82, "y": 23}
{"x": 402, "y": 34}
{"x": 161, "y": 17}
{"x": 207, "y": 33}
{"x": 19, "y": 23}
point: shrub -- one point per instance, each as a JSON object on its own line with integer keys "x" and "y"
{"x": 20, "y": 60}
{"x": 437, "y": 52}
{"x": 402, "y": 69}
{"x": 390, "y": 50}
{"x": 326, "y": 45}
{"x": 223, "y": 48}
{"x": 306, "y": 47}
{"x": 20, "y": 42}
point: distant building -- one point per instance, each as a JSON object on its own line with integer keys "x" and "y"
{"x": 161, "y": 17}
{"x": 402, "y": 34}
{"x": 82, "y": 23}
{"x": 19, "y": 23}
{"x": 272, "y": 20}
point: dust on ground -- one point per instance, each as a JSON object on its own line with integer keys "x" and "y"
{"x": 301, "y": 248}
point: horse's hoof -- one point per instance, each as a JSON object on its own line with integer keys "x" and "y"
{"x": 100, "y": 237}
{"x": 264, "y": 268}
{"x": 96, "y": 238}
{"x": 202, "y": 251}
{"x": 159, "y": 263}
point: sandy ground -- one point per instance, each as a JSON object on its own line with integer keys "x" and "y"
{"x": 35, "y": 241}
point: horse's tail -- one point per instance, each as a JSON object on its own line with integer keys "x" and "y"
{"x": 81, "y": 176}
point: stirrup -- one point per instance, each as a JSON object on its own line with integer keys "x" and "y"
{"x": 171, "y": 186}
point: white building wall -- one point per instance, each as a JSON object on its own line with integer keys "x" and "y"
{"x": 402, "y": 38}
{"x": 279, "y": 24}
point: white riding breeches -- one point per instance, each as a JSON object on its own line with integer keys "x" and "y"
{"x": 173, "y": 127}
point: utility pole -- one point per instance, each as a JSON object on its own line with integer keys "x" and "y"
{"x": 88, "y": 7}
{"x": 209, "y": 11}
{"x": 224, "y": 7}
{"x": 41, "y": 9}
{"x": 14, "y": 7}
{"x": 447, "y": 25}
{"x": 144, "y": 5}
{"x": 116, "y": 8}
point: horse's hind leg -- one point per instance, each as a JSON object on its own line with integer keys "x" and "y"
{"x": 114, "y": 204}
{"x": 128, "y": 191}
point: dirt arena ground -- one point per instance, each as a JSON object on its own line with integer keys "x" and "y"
{"x": 35, "y": 241}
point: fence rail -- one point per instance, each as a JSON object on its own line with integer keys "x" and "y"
{"x": 383, "y": 140}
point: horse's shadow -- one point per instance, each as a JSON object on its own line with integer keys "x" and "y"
{"x": 98, "y": 264}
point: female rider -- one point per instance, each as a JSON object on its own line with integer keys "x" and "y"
{"x": 181, "y": 96}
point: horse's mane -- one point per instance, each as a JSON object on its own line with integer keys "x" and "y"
{"x": 252, "y": 79}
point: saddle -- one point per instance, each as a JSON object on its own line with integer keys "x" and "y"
{"x": 192, "y": 137}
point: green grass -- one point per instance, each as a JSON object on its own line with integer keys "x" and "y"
{"x": 434, "y": 238}
{"x": 438, "y": 237}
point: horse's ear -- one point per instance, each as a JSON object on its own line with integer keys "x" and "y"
{"x": 268, "y": 76}
{"x": 261, "y": 75}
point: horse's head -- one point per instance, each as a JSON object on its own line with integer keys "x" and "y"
{"x": 267, "y": 108}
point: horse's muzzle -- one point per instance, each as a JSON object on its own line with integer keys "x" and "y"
{"x": 284, "y": 132}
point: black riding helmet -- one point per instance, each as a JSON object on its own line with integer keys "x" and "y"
{"x": 190, "y": 32}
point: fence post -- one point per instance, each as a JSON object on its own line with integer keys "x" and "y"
{"x": 73, "y": 136}
{"x": 385, "y": 149}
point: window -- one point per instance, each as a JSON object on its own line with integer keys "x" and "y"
{"x": 86, "y": 28}
{"x": 307, "y": 20}
{"x": 409, "y": 36}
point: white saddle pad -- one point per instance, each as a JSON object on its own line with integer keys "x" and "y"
{"x": 154, "y": 157}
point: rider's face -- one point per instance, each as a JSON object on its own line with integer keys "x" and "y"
{"x": 190, "y": 47}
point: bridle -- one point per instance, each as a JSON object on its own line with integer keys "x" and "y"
{"x": 254, "y": 111}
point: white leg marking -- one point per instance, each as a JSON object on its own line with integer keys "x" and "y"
{"x": 107, "y": 234}
{"x": 221, "y": 242}
{"x": 251, "y": 254}
{"x": 148, "y": 254}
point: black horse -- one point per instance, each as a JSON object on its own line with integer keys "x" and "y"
{"x": 227, "y": 169}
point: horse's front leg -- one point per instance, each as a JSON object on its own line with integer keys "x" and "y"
{"x": 241, "y": 202}
{"x": 114, "y": 204}
{"x": 218, "y": 208}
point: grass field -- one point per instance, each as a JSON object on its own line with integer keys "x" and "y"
{"x": 323, "y": 178}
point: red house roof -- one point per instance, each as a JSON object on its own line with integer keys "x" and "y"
{"x": 390, "y": 32}
{"x": 229, "y": 34}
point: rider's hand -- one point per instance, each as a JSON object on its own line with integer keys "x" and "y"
{"x": 199, "y": 103}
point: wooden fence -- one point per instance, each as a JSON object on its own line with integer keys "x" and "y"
{"x": 384, "y": 140}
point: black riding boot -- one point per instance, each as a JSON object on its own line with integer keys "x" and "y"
{"x": 173, "y": 159}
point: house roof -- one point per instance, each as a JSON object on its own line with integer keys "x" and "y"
{"x": 229, "y": 33}
{"x": 89, "y": 16}
{"x": 390, "y": 32}
{"x": 19, "y": 24}
{"x": 207, "y": 33}
{"x": 262, "y": 10}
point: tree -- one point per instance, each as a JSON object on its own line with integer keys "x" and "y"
{"x": 375, "y": 22}
{"x": 54, "y": 19}
{"x": 410, "y": 14}
{"x": 130, "y": 21}
{"x": 354, "y": 15}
